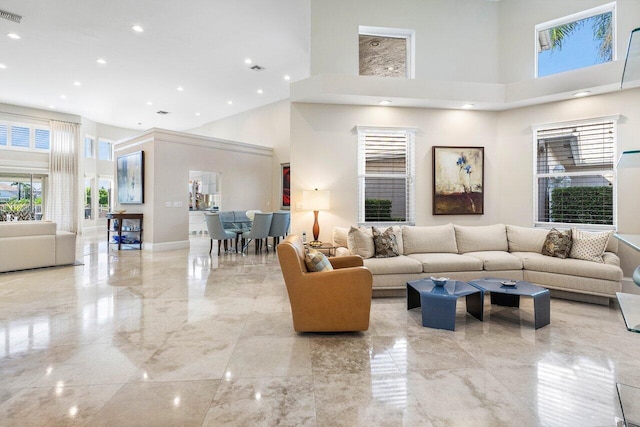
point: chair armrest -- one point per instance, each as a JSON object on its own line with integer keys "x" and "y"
{"x": 355, "y": 281}
{"x": 346, "y": 261}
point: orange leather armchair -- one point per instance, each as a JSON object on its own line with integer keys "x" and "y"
{"x": 328, "y": 301}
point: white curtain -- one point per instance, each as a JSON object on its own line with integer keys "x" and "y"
{"x": 63, "y": 192}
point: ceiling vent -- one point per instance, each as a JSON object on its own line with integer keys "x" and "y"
{"x": 10, "y": 16}
{"x": 163, "y": 113}
{"x": 257, "y": 68}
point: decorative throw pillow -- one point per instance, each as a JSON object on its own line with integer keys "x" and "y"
{"x": 557, "y": 244}
{"x": 589, "y": 246}
{"x": 385, "y": 243}
{"x": 317, "y": 261}
{"x": 360, "y": 242}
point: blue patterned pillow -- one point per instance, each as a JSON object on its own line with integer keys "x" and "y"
{"x": 317, "y": 261}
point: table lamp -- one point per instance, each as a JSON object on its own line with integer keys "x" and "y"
{"x": 315, "y": 201}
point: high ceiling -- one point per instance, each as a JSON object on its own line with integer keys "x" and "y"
{"x": 199, "y": 45}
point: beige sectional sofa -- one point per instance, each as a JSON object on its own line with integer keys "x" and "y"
{"x": 33, "y": 244}
{"x": 504, "y": 251}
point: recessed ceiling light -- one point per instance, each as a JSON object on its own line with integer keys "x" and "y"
{"x": 390, "y": 68}
{"x": 180, "y": 88}
{"x": 260, "y": 91}
{"x": 248, "y": 61}
{"x": 63, "y": 96}
{"x": 230, "y": 102}
{"x": 77, "y": 83}
{"x": 101, "y": 61}
{"x": 3, "y": 67}
{"x": 13, "y": 36}
{"x": 384, "y": 102}
{"x": 53, "y": 107}
{"x": 468, "y": 106}
{"x": 149, "y": 103}
{"x": 198, "y": 114}
{"x": 137, "y": 29}
{"x": 582, "y": 93}
{"x": 287, "y": 77}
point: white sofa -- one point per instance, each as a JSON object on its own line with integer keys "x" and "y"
{"x": 503, "y": 251}
{"x": 33, "y": 244}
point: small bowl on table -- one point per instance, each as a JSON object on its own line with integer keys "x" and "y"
{"x": 439, "y": 281}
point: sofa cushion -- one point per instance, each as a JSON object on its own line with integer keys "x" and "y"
{"x": 27, "y": 228}
{"x": 497, "y": 260}
{"x": 435, "y": 239}
{"x": 443, "y": 262}
{"x": 340, "y": 237}
{"x": 385, "y": 243}
{"x": 317, "y": 261}
{"x": 526, "y": 239}
{"x": 360, "y": 242}
{"x": 573, "y": 267}
{"x": 20, "y": 253}
{"x": 557, "y": 244}
{"x": 481, "y": 238}
{"x": 589, "y": 246}
{"x": 395, "y": 265}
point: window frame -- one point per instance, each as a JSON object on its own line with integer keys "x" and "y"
{"x": 397, "y": 33}
{"x": 578, "y": 16}
{"x": 536, "y": 175}
{"x": 410, "y": 175}
{"x": 93, "y": 147}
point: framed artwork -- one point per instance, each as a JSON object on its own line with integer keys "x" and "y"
{"x": 458, "y": 180}
{"x": 130, "y": 178}
{"x": 285, "y": 193}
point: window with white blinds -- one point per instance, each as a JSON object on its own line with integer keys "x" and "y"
{"x": 386, "y": 176}
{"x": 42, "y": 139}
{"x": 24, "y": 136}
{"x": 574, "y": 174}
{"x": 20, "y": 136}
{"x": 4, "y": 135}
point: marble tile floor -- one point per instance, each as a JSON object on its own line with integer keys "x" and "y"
{"x": 179, "y": 338}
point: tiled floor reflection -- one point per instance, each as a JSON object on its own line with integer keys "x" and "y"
{"x": 181, "y": 338}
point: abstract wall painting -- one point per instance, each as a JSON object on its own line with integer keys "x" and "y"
{"x": 458, "y": 180}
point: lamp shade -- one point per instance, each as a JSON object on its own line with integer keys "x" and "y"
{"x": 315, "y": 200}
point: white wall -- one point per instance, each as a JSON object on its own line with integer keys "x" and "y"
{"x": 169, "y": 156}
{"x": 455, "y": 40}
{"x": 324, "y": 156}
{"x": 266, "y": 126}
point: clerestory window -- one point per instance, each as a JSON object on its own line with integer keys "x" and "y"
{"x": 576, "y": 41}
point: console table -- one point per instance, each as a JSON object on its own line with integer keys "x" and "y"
{"x": 115, "y": 224}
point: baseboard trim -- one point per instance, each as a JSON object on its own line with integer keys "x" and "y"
{"x": 165, "y": 246}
